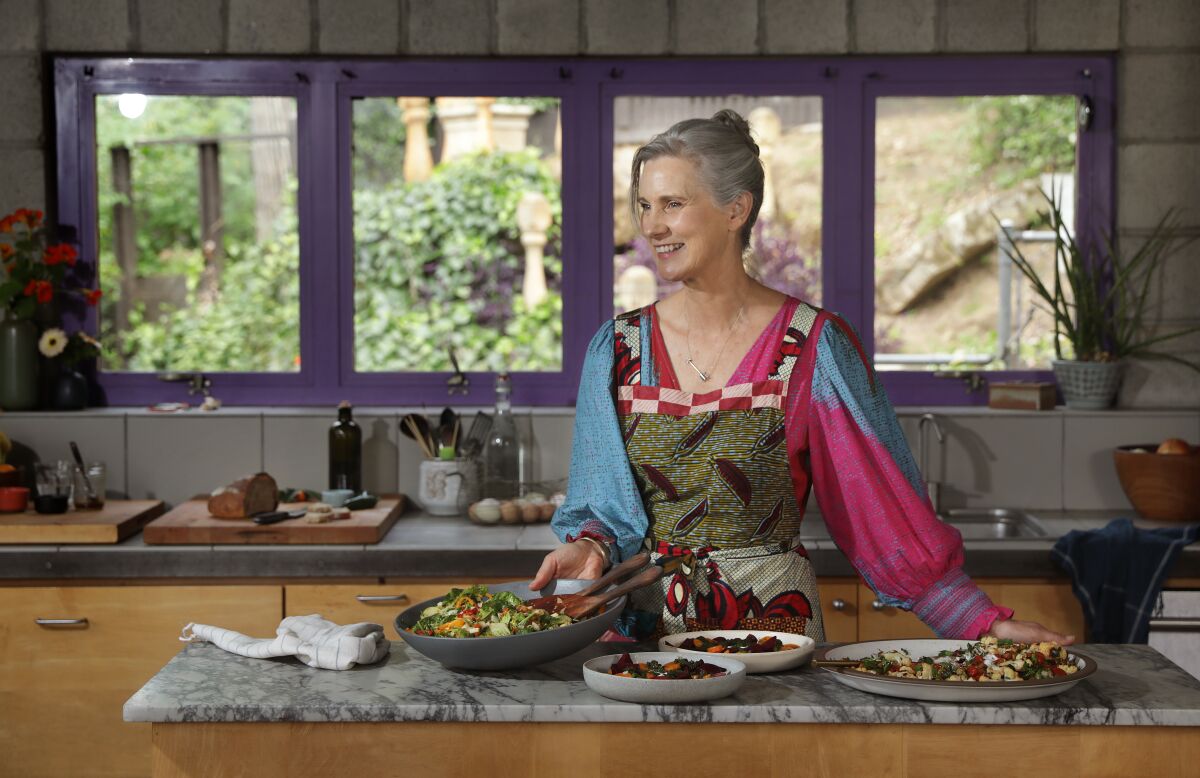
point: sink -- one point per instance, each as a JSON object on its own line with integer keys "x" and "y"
{"x": 993, "y": 523}
{"x": 974, "y": 524}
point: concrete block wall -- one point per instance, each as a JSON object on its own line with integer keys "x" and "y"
{"x": 1157, "y": 44}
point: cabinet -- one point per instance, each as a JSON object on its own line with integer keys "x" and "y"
{"x": 1049, "y": 602}
{"x": 62, "y": 685}
{"x": 379, "y": 603}
{"x": 839, "y": 608}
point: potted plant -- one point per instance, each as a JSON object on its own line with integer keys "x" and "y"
{"x": 1098, "y": 299}
{"x": 35, "y": 270}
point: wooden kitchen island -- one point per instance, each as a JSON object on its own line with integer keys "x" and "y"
{"x": 215, "y": 713}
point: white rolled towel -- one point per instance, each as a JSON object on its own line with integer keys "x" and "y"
{"x": 315, "y": 641}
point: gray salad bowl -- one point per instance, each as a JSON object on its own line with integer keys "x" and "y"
{"x": 513, "y": 651}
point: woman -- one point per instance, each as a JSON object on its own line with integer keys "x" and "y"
{"x": 704, "y": 419}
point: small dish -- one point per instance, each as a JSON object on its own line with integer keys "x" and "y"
{"x": 773, "y": 662}
{"x": 13, "y": 499}
{"x": 336, "y": 497}
{"x": 661, "y": 692}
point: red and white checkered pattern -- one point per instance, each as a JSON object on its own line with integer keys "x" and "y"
{"x": 673, "y": 402}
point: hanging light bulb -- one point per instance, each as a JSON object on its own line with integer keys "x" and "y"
{"x": 131, "y": 105}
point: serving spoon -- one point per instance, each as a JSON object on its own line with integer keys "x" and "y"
{"x": 556, "y": 602}
{"x": 586, "y": 606}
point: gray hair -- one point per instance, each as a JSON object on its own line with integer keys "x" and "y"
{"x": 725, "y": 155}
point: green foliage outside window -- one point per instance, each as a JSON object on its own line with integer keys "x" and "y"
{"x": 1036, "y": 132}
{"x": 439, "y": 263}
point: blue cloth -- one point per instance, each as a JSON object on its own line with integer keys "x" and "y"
{"x": 602, "y": 496}
{"x": 1117, "y": 573}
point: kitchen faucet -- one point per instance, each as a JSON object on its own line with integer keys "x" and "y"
{"x": 934, "y": 486}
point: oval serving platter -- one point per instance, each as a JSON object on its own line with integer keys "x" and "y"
{"x": 944, "y": 691}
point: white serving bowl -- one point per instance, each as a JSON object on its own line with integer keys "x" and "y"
{"x": 661, "y": 692}
{"x": 773, "y": 662}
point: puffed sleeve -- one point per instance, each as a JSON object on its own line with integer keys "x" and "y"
{"x": 602, "y": 496}
{"x": 874, "y": 500}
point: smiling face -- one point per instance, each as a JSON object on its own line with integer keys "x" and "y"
{"x": 689, "y": 232}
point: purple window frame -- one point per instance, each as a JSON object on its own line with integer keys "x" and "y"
{"x": 324, "y": 90}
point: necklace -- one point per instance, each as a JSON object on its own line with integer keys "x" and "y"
{"x": 704, "y": 376}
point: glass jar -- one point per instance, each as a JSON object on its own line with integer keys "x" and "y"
{"x": 97, "y": 476}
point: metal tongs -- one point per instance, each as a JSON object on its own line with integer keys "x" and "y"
{"x": 636, "y": 573}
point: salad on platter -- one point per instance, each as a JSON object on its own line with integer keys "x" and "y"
{"x": 990, "y": 659}
{"x": 475, "y": 612}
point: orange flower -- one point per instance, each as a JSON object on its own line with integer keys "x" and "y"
{"x": 60, "y": 252}
{"x": 6, "y": 223}
{"x": 6, "y": 251}
{"x": 92, "y": 296}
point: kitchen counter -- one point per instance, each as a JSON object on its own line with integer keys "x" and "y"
{"x": 1134, "y": 686}
{"x": 224, "y": 711}
{"x": 419, "y": 545}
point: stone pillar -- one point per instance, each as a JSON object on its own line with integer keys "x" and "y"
{"x": 767, "y": 128}
{"x": 460, "y": 126}
{"x": 533, "y": 218}
{"x": 418, "y": 160}
{"x": 637, "y": 287}
{"x": 487, "y": 138}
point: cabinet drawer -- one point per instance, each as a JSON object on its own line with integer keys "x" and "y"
{"x": 62, "y": 686}
{"x": 372, "y": 602}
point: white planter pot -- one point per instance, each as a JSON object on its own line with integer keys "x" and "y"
{"x": 1088, "y": 386}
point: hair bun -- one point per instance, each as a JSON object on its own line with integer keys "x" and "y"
{"x": 734, "y": 120}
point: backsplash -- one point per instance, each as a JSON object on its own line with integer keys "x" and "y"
{"x": 1052, "y": 460}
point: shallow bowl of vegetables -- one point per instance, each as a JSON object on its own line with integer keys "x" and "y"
{"x": 663, "y": 677}
{"x": 759, "y": 650}
{"x": 488, "y": 627}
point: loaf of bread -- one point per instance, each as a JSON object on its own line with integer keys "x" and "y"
{"x": 245, "y": 497}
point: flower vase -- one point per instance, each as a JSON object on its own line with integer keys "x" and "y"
{"x": 69, "y": 392}
{"x": 18, "y": 365}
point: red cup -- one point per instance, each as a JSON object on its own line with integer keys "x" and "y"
{"x": 13, "y": 499}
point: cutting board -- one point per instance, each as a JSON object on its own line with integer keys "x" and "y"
{"x": 190, "y": 522}
{"x": 117, "y": 520}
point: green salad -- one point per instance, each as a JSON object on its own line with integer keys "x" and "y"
{"x": 475, "y": 612}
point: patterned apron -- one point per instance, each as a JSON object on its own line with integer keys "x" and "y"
{"x": 714, "y": 476}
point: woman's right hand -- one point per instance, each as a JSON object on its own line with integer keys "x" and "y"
{"x": 570, "y": 560}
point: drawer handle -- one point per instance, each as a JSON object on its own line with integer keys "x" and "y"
{"x": 877, "y": 605}
{"x": 838, "y": 604}
{"x": 1174, "y": 624}
{"x": 61, "y": 622}
{"x": 372, "y": 599}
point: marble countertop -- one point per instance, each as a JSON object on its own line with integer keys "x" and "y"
{"x": 420, "y": 545}
{"x": 1134, "y": 685}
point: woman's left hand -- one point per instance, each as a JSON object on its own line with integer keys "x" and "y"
{"x": 1027, "y": 632}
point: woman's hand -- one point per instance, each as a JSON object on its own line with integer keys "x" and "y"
{"x": 1027, "y": 632}
{"x": 570, "y": 560}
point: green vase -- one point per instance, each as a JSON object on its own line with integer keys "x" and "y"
{"x": 18, "y": 365}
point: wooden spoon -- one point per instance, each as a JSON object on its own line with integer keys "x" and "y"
{"x": 556, "y": 602}
{"x": 586, "y": 606}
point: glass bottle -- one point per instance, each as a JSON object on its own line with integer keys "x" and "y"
{"x": 501, "y": 451}
{"x": 345, "y": 452}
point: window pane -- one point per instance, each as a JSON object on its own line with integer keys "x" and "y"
{"x": 786, "y": 247}
{"x": 197, "y": 233}
{"x": 457, "y": 233}
{"x": 945, "y": 170}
